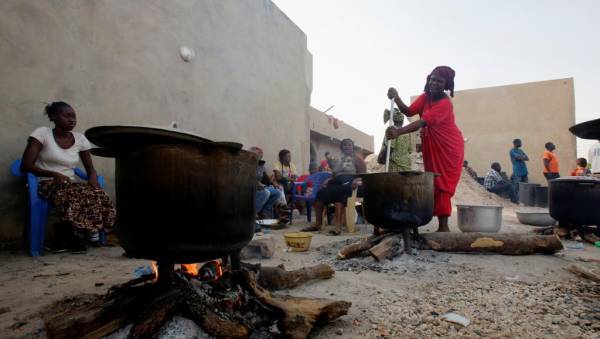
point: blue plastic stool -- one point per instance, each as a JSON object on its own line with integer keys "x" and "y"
{"x": 38, "y": 209}
{"x": 317, "y": 179}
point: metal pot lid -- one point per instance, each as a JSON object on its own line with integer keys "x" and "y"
{"x": 587, "y": 130}
{"x": 121, "y": 137}
{"x": 578, "y": 179}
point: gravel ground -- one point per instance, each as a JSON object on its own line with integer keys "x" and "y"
{"x": 502, "y": 296}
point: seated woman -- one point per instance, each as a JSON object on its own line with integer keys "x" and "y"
{"x": 267, "y": 196}
{"x": 285, "y": 172}
{"x": 338, "y": 188}
{"x": 52, "y": 154}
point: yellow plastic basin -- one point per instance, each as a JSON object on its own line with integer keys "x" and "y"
{"x": 298, "y": 241}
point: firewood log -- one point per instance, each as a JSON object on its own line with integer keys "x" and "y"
{"x": 387, "y": 248}
{"x": 503, "y": 243}
{"x": 156, "y": 315}
{"x": 100, "y": 317}
{"x": 591, "y": 238}
{"x": 277, "y": 278}
{"x": 585, "y": 273}
{"x": 299, "y": 315}
{"x": 356, "y": 248}
{"x": 214, "y": 324}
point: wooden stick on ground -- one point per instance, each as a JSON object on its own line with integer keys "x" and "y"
{"x": 387, "y": 248}
{"x": 214, "y": 324}
{"x": 358, "y": 247}
{"x": 583, "y": 272}
{"x": 156, "y": 315}
{"x": 277, "y": 278}
{"x": 591, "y": 238}
{"x": 299, "y": 315}
{"x": 503, "y": 243}
{"x": 99, "y": 317}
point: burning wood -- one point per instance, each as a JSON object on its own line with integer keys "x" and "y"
{"x": 233, "y": 306}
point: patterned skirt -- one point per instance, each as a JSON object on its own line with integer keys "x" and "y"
{"x": 85, "y": 207}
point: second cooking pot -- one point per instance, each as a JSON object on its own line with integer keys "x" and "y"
{"x": 575, "y": 200}
{"x": 399, "y": 199}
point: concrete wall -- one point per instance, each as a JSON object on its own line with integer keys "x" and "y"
{"x": 326, "y": 138}
{"x": 536, "y": 112}
{"x": 117, "y": 62}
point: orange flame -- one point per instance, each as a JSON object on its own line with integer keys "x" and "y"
{"x": 154, "y": 266}
{"x": 195, "y": 270}
{"x": 190, "y": 269}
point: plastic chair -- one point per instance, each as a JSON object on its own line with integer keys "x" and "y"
{"x": 317, "y": 180}
{"x": 38, "y": 209}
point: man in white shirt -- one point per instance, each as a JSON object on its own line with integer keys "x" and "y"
{"x": 594, "y": 157}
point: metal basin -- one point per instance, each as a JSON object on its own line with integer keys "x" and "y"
{"x": 535, "y": 218}
{"x": 398, "y": 200}
{"x": 474, "y": 218}
{"x": 180, "y": 200}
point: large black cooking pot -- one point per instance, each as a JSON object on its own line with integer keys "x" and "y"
{"x": 180, "y": 198}
{"x": 398, "y": 200}
{"x": 575, "y": 200}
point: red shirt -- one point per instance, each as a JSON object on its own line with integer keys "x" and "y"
{"x": 442, "y": 142}
{"x": 443, "y": 148}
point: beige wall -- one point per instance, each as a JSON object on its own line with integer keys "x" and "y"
{"x": 322, "y": 125}
{"x": 117, "y": 62}
{"x": 536, "y": 112}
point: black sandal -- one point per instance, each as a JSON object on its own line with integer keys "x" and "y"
{"x": 335, "y": 232}
{"x": 311, "y": 228}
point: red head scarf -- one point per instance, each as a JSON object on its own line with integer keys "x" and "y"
{"x": 447, "y": 74}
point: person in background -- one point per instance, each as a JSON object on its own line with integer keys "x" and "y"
{"x": 337, "y": 189}
{"x": 470, "y": 171}
{"x": 518, "y": 158}
{"x": 285, "y": 172}
{"x": 551, "y": 170}
{"x": 594, "y": 157}
{"x": 494, "y": 183}
{"x": 267, "y": 196}
{"x": 581, "y": 169}
{"x": 400, "y": 148}
{"x": 324, "y": 165}
{"x": 441, "y": 139}
{"x": 52, "y": 154}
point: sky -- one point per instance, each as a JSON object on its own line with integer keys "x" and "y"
{"x": 361, "y": 48}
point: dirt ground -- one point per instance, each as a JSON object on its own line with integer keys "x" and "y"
{"x": 524, "y": 296}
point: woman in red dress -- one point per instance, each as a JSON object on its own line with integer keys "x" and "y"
{"x": 442, "y": 142}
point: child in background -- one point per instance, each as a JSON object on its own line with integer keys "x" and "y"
{"x": 581, "y": 169}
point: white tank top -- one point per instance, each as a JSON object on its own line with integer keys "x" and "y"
{"x": 54, "y": 158}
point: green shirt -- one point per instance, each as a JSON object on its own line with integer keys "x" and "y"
{"x": 400, "y": 149}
